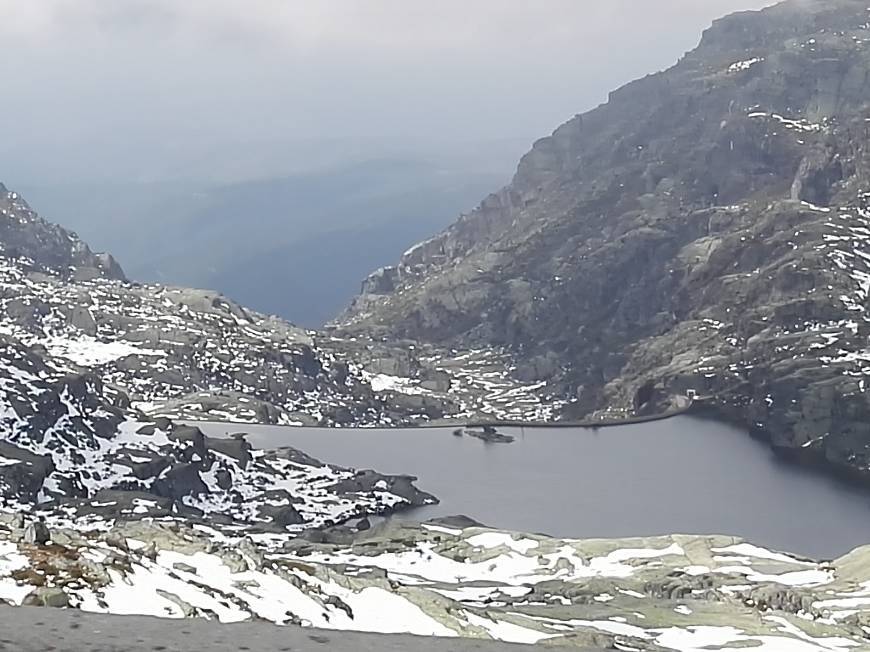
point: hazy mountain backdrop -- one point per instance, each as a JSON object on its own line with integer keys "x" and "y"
{"x": 294, "y": 245}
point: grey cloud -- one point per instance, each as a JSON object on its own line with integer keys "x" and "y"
{"x": 162, "y": 87}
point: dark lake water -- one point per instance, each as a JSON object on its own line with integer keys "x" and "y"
{"x": 684, "y": 475}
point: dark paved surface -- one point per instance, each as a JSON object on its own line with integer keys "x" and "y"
{"x": 25, "y": 629}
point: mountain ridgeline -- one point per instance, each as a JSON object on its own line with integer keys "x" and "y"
{"x": 704, "y": 233}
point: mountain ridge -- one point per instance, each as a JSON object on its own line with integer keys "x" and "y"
{"x": 194, "y": 354}
{"x": 703, "y": 233}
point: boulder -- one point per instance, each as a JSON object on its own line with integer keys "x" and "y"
{"x": 36, "y": 533}
{"x": 46, "y": 597}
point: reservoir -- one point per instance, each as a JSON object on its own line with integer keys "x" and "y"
{"x": 682, "y": 475}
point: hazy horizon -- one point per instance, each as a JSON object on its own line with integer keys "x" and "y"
{"x": 219, "y": 90}
{"x": 234, "y": 146}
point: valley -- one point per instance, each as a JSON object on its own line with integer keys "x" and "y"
{"x": 698, "y": 245}
{"x": 354, "y": 214}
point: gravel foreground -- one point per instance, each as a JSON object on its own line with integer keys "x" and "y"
{"x": 29, "y": 629}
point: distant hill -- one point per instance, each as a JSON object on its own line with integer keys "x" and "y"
{"x": 294, "y": 246}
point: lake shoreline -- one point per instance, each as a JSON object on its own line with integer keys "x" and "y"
{"x": 803, "y": 458}
{"x": 692, "y": 409}
{"x": 651, "y": 477}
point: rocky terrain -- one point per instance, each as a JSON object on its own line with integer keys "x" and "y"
{"x": 190, "y": 353}
{"x": 705, "y": 233}
{"x": 454, "y": 579}
{"x": 72, "y": 451}
{"x": 702, "y": 236}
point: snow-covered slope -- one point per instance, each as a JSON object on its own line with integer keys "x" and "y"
{"x": 71, "y": 450}
{"x": 78, "y": 342}
{"x": 685, "y": 593}
{"x": 195, "y": 354}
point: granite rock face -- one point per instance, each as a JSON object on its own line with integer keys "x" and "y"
{"x": 705, "y": 233}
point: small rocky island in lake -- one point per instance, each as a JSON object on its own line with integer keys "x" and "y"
{"x": 488, "y": 434}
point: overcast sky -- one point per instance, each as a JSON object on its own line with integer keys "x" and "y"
{"x": 162, "y": 88}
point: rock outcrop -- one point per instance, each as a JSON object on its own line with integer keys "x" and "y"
{"x": 193, "y": 354}
{"x": 72, "y": 452}
{"x": 23, "y": 235}
{"x": 705, "y": 234}
{"x": 654, "y": 594}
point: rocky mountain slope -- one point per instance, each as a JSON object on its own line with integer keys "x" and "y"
{"x": 74, "y": 452}
{"x": 108, "y": 507}
{"x": 190, "y": 353}
{"x": 706, "y": 232}
{"x": 91, "y": 365}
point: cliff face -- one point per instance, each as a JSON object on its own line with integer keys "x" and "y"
{"x": 706, "y": 230}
